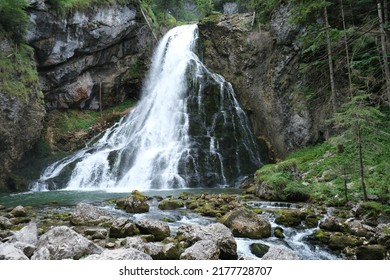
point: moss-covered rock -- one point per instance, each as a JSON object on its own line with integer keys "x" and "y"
{"x": 134, "y": 203}
{"x": 370, "y": 252}
{"x": 259, "y": 249}
{"x": 170, "y": 204}
{"x": 289, "y": 218}
{"x": 311, "y": 221}
{"x": 122, "y": 228}
{"x": 339, "y": 241}
{"x": 245, "y": 223}
{"x": 279, "y": 233}
{"x": 208, "y": 210}
{"x": 159, "y": 229}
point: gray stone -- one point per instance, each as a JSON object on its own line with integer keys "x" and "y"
{"x": 201, "y": 250}
{"x": 64, "y": 243}
{"x": 19, "y": 211}
{"x": 41, "y": 254}
{"x": 276, "y": 253}
{"x": 28, "y": 234}
{"x": 87, "y": 214}
{"x": 27, "y": 248}
{"x": 358, "y": 228}
{"x": 10, "y": 252}
{"x": 331, "y": 224}
{"x": 123, "y": 227}
{"x": 5, "y": 223}
{"x": 120, "y": 254}
{"x": 371, "y": 252}
{"x": 159, "y": 229}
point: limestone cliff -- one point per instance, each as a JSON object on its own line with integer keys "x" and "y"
{"x": 82, "y": 54}
{"x": 263, "y": 68}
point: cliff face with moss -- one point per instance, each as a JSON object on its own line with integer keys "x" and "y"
{"x": 263, "y": 68}
{"x": 86, "y": 59}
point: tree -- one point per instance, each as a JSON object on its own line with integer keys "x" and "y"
{"x": 358, "y": 119}
{"x": 205, "y": 7}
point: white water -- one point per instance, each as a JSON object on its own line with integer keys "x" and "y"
{"x": 151, "y": 148}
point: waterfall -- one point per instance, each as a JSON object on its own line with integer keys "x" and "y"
{"x": 188, "y": 130}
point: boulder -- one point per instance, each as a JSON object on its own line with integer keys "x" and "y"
{"x": 371, "y": 252}
{"x": 331, "y": 224}
{"x": 5, "y": 223}
{"x": 10, "y": 252}
{"x": 276, "y": 253}
{"x": 120, "y": 254}
{"x": 358, "y": 228}
{"x": 170, "y": 204}
{"x": 278, "y": 232}
{"x": 245, "y": 223}
{"x": 123, "y": 227}
{"x": 216, "y": 232}
{"x": 259, "y": 249}
{"x": 383, "y": 235}
{"x": 289, "y": 218}
{"x": 135, "y": 242}
{"x": 339, "y": 241}
{"x": 201, "y": 250}
{"x": 87, "y": 214}
{"x": 28, "y": 234}
{"x": 64, "y": 243}
{"x": 41, "y": 254}
{"x": 161, "y": 251}
{"x": 26, "y": 248}
{"x": 96, "y": 233}
{"x": 159, "y": 229}
{"x": 134, "y": 203}
{"x": 19, "y": 211}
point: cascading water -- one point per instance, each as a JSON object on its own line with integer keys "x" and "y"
{"x": 188, "y": 130}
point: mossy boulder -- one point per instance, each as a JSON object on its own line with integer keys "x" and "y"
{"x": 332, "y": 224}
{"x": 19, "y": 211}
{"x": 322, "y": 236}
{"x": 279, "y": 232}
{"x": 170, "y": 204}
{"x": 339, "y": 241}
{"x": 289, "y": 218}
{"x": 122, "y": 228}
{"x": 159, "y": 229}
{"x": 258, "y": 249}
{"x": 245, "y": 223}
{"x": 209, "y": 210}
{"x": 311, "y": 221}
{"x": 371, "y": 252}
{"x": 134, "y": 203}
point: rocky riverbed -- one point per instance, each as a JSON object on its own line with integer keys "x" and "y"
{"x": 190, "y": 226}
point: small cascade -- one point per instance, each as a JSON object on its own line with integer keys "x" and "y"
{"x": 187, "y": 131}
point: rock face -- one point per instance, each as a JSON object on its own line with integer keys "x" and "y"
{"x": 263, "y": 68}
{"x": 103, "y": 49}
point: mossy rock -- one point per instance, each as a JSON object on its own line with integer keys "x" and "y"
{"x": 258, "y": 249}
{"x": 170, "y": 204}
{"x": 208, "y": 210}
{"x": 322, "y": 236}
{"x": 167, "y": 220}
{"x": 192, "y": 204}
{"x": 134, "y": 203}
{"x": 311, "y": 221}
{"x": 279, "y": 232}
{"x": 371, "y": 252}
{"x": 339, "y": 241}
{"x": 288, "y": 218}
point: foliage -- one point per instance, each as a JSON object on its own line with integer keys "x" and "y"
{"x": 63, "y": 6}
{"x": 205, "y": 7}
{"x": 13, "y": 18}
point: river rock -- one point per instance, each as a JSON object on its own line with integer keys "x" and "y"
{"x": 383, "y": 235}
{"x": 216, "y": 232}
{"x": 41, "y": 254}
{"x": 96, "y": 233}
{"x": 245, "y": 223}
{"x": 278, "y": 232}
{"x": 289, "y": 218}
{"x": 123, "y": 227}
{"x": 331, "y": 224}
{"x": 370, "y": 252}
{"x": 10, "y": 252}
{"x": 28, "y": 234}
{"x": 120, "y": 254}
{"x": 358, "y": 228}
{"x": 87, "y": 214}
{"x": 5, "y": 223}
{"x": 64, "y": 243}
{"x": 276, "y": 253}
{"x": 161, "y": 251}
{"x": 19, "y": 211}
{"x": 259, "y": 249}
{"x": 134, "y": 203}
{"x": 339, "y": 241}
{"x": 170, "y": 204}
{"x": 201, "y": 250}
{"x": 26, "y": 248}
{"x": 159, "y": 229}
{"x": 135, "y": 242}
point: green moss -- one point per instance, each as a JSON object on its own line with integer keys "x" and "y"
{"x": 288, "y": 218}
{"x": 170, "y": 204}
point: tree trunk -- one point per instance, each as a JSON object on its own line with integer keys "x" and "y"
{"x": 330, "y": 61}
{"x": 346, "y": 50}
{"x": 384, "y": 49}
{"x": 361, "y": 164}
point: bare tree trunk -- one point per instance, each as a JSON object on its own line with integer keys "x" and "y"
{"x": 384, "y": 49}
{"x": 361, "y": 164}
{"x": 330, "y": 61}
{"x": 346, "y": 50}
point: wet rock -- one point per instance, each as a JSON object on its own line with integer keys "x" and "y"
{"x": 201, "y": 250}
{"x": 10, "y": 252}
{"x": 217, "y": 232}
{"x": 123, "y": 227}
{"x": 159, "y": 229}
{"x": 371, "y": 252}
{"x": 19, "y": 211}
{"x": 278, "y": 232}
{"x": 134, "y": 203}
{"x": 2, "y": 207}
{"x": 120, "y": 254}
{"x": 276, "y": 253}
{"x": 245, "y": 223}
{"x": 87, "y": 214}
{"x": 5, "y": 223}
{"x": 170, "y": 204}
{"x": 331, "y": 224}
{"x": 258, "y": 249}
{"x": 311, "y": 221}
{"x": 289, "y": 218}
{"x": 64, "y": 243}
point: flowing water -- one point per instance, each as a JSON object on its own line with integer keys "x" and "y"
{"x": 187, "y": 131}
